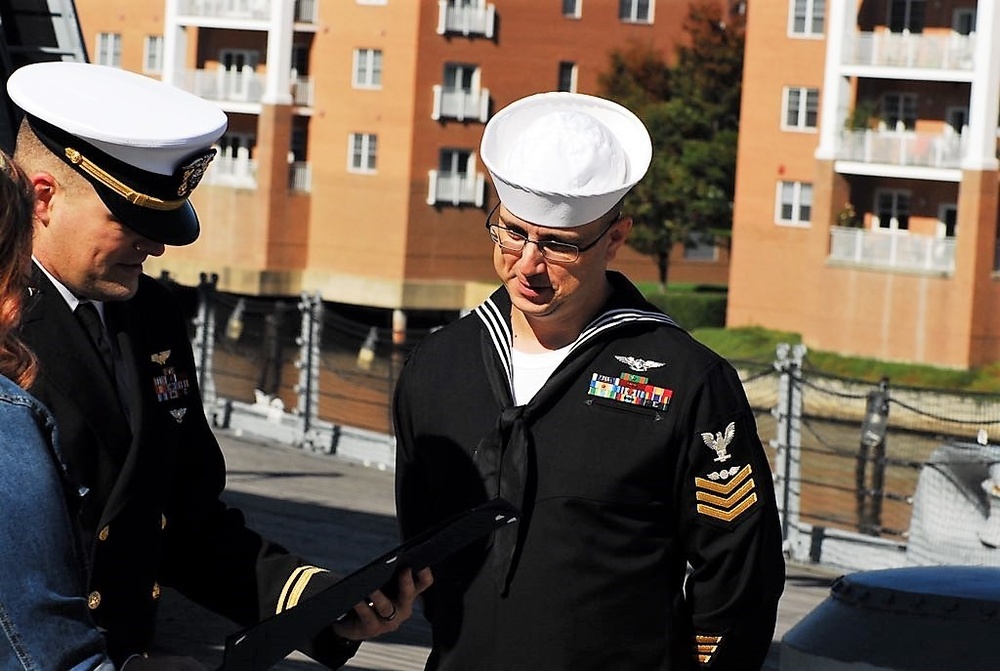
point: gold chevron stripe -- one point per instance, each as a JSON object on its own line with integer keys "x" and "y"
{"x": 295, "y": 586}
{"x": 729, "y": 501}
{"x": 724, "y": 488}
{"x": 704, "y": 638}
{"x": 730, "y": 515}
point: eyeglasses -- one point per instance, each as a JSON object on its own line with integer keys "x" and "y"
{"x": 551, "y": 250}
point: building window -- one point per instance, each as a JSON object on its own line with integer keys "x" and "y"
{"x": 892, "y": 210}
{"x": 152, "y": 60}
{"x": 899, "y": 111}
{"x": 363, "y": 147}
{"x": 459, "y": 77}
{"x": 455, "y": 162}
{"x": 571, "y": 8}
{"x": 367, "y": 69}
{"x": 807, "y": 17}
{"x": 801, "y": 108}
{"x": 907, "y": 15}
{"x": 957, "y": 118}
{"x": 567, "y": 77}
{"x": 109, "y": 49}
{"x": 635, "y": 11}
{"x": 947, "y": 220}
{"x": 700, "y": 246}
{"x": 794, "y": 203}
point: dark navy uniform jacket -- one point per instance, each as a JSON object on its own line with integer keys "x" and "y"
{"x": 649, "y": 535}
{"x": 152, "y": 515}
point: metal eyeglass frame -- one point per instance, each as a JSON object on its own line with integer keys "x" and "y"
{"x": 545, "y": 247}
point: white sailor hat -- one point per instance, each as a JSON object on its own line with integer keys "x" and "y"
{"x": 143, "y": 144}
{"x": 564, "y": 159}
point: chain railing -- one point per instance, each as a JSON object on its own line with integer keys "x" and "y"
{"x": 849, "y": 457}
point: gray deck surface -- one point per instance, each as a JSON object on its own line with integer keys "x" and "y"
{"x": 341, "y": 515}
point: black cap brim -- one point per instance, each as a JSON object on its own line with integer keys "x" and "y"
{"x": 177, "y": 227}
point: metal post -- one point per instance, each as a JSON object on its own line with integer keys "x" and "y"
{"x": 204, "y": 340}
{"x": 871, "y": 484}
{"x": 308, "y": 365}
{"x": 788, "y": 444}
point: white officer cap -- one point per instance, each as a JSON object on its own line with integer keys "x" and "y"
{"x": 564, "y": 159}
{"x": 143, "y": 144}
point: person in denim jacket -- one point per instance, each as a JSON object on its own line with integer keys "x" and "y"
{"x": 43, "y": 612}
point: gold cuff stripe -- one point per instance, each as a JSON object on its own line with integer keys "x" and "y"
{"x": 728, "y": 516}
{"x": 706, "y": 647}
{"x": 295, "y": 586}
{"x": 703, "y": 638}
{"x": 704, "y": 659}
{"x": 729, "y": 501}
{"x": 724, "y": 488}
{"x": 123, "y": 190}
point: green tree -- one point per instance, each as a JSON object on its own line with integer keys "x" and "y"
{"x": 692, "y": 112}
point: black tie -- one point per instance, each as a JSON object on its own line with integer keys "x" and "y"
{"x": 91, "y": 320}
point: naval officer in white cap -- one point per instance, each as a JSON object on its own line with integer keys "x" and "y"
{"x": 630, "y": 448}
{"x": 113, "y": 158}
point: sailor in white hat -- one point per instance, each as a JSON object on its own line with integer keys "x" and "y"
{"x": 571, "y": 396}
{"x": 113, "y": 157}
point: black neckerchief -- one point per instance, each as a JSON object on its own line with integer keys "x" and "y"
{"x": 505, "y": 457}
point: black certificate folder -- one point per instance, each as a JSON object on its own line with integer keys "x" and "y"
{"x": 261, "y": 646}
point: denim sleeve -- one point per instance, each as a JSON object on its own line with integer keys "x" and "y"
{"x": 43, "y": 609}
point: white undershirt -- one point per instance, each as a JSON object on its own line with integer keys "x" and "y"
{"x": 531, "y": 370}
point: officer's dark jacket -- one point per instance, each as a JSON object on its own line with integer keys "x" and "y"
{"x": 640, "y": 456}
{"x": 152, "y": 515}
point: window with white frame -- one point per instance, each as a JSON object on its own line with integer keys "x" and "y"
{"x": 362, "y": 149}
{"x": 109, "y": 49}
{"x": 571, "y": 8}
{"x": 459, "y": 77}
{"x": 794, "y": 203}
{"x": 635, "y": 11}
{"x": 455, "y": 162}
{"x": 899, "y": 110}
{"x": 567, "y": 77}
{"x": 152, "y": 58}
{"x": 801, "y": 108}
{"x": 807, "y": 17}
{"x": 892, "y": 210}
{"x": 907, "y": 15}
{"x": 367, "y": 69}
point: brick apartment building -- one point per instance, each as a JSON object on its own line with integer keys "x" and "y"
{"x": 867, "y": 180}
{"x": 350, "y": 163}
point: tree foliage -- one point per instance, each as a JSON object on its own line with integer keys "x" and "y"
{"x": 691, "y": 109}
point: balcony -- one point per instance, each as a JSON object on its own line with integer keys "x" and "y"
{"x": 300, "y": 176}
{"x": 892, "y": 250}
{"x": 910, "y": 50}
{"x": 479, "y": 20}
{"x": 902, "y": 148}
{"x": 243, "y": 10}
{"x": 456, "y": 188}
{"x": 240, "y": 86}
{"x": 238, "y": 172}
{"x": 461, "y": 104}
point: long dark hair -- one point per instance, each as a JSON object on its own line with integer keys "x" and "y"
{"x": 17, "y": 201}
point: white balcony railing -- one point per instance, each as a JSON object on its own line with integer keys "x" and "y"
{"x": 451, "y": 188}
{"x": 896, "y": 251}
{"x": 238, "y": 172}
{"x": 300, "y": 176}
{"x": 254, "y": 10}
{"x": 243, "y": 86}
{"x": 461, "y": 104}
{"x": 930, "y": 150}
{"x": 303, "y": 91}
{"x": 473, "y": 20}
{"x": 257, "y": 10}
{"x": 910, "y": 50}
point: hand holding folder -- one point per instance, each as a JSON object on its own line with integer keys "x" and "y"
{"x": 264, "y": 644}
